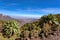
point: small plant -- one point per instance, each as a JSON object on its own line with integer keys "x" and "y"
{"x": 11, "y": 28}
{"x": 26, "y": 33}
{"x": 34, "y": 33}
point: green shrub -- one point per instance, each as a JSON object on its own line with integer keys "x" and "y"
{"x": 47, "y": 24}
{"x": 35, "y": 33}
{"x": 11, "y": 28}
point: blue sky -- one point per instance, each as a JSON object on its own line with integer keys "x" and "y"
{"x": 29, "y": 8}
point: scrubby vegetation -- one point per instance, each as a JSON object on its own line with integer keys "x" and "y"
{"x": 11, "y": 28}
{"x": 43, "y": 27}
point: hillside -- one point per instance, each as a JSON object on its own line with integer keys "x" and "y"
{"x": 45, "y": 28}
{"x": 24, "y": 20}
{"x": 56, "y": 15}
{"x": 18, "y": 19}
{"x": 6, "y": 18}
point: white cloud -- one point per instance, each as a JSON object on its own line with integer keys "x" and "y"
{"x": 30, "y": 12}
{"x": 51, "y": 10}
{"x": 46, "y": 10}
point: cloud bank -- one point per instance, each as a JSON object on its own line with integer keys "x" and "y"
{"x": 31, "y": 12}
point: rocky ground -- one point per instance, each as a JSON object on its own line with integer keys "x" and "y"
{"x": 54, "y": 36}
